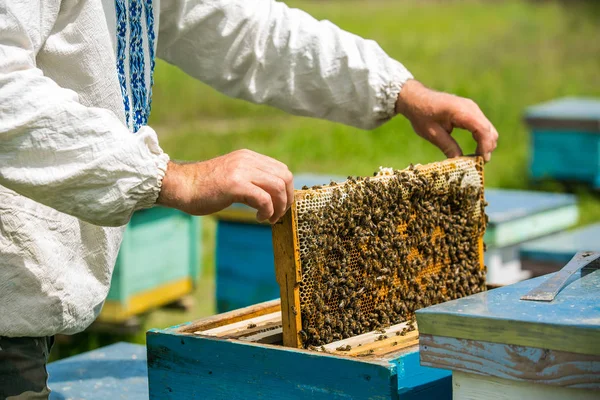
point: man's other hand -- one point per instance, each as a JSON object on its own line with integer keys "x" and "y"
{"x": 434, "y": 115}
{"x": 243, "y": 176}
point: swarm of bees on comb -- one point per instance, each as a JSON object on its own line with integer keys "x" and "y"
{"x": 374, "y": 250}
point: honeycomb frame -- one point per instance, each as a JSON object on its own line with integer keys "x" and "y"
{"x": 295, "y": 274}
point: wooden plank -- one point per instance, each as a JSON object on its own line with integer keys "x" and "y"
{"x": 570, "y": 323}
{"x": 518, "y": 363}
{"x": 467, "y": 386}
{"x": 241, "y": 326}
{"x": 288, "y": 275}
{"x": 268, "y": 337}
{"x": 190, "y": 367}
{"x": 362, "y": 344}
{"x": 242, "y": 314}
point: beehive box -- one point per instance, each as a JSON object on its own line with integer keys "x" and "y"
{"x": 565, "y": 140}
{"x": 244, "y": 267}
{"x": 239, "y": 355}
{"x": 517, "y": 217}
{"x": 551, "y": 253}
{"x": 499, "y": 346}
{"x": 365, "y": 254}
{"x": 158, "y": 263}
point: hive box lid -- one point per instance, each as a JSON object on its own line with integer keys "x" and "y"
{"x": 112, "y": 372}
{"x": 572, "y": 113}
{"x": 244, "y": 213}
{"x": 516, "y": 216}
{"x": 569, "y": 323}
{"x": 561, "y": 247}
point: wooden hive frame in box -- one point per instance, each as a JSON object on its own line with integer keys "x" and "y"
{"x": 432, "y": 218}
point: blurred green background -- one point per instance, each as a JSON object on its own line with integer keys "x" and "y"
{"x": 505, "y": 55}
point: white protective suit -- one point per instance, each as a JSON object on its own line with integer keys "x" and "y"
{"x": 76, "y": 155}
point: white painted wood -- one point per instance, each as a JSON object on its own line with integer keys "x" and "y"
{"x": 504, "y": 266}
{"x": 243, "y": 325}
{"x": 371, "y": 337}
{"x": 466, "y": 386}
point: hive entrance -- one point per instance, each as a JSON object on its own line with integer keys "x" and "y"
{"x": 365, "y": 254}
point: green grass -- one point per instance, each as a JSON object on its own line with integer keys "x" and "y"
{"x": 506, "y": 55}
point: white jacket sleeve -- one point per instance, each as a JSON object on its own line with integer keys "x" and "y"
{"x": 265, "y": 52}
{"x": 79, "y": 160}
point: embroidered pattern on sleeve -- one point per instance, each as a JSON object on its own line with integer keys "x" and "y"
{"x": 137, "y": 65}
{"x": 121, "y": 14}
{"x": 151, "y": 38}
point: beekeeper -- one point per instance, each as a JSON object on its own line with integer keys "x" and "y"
{"x": 77, "y": 156}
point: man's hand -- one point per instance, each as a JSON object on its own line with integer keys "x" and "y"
{"x": 434, "y": 115}
{"x": 243, "y": 176}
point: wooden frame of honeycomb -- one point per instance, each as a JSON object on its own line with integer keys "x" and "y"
{"x": 362, "y": 255}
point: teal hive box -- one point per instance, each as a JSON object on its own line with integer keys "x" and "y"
{"x": 517, "y": 217}
{"x": 245, "y": 270}
{"x": 504, "y": 348}
{"x": 158, "y": 263}
{"x": 552, "y": 252}
{"x": 565, "y": 140}
{"x": 211, "y": 359}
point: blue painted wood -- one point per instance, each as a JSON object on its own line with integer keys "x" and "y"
{"x": 160, "y": 246}
{"x": 565, "y": 155}
{"x": 519, "y": 363}
{"x": 569, "y": 108}
{"x": 561, "y": 247}
{"x": 245, "y": 272}
{"x": 235, "y": 293}
{"x": 569, "y": 323}
{"x": 183, "y": 367}
{"x": 565, "y": 141}
{"x": 118, "y": 371}
{"x": 507, "y": 205}
{"x": 420, "y": 382}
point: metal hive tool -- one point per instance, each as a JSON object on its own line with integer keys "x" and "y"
{"x": 366, "y": 253}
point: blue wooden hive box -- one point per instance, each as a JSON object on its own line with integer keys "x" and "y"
{"x": 158, "y": 263}
{"x": 552, "y": 252}
{"x": 501, "y": 347}
{"x": 115, "y": 372}
{"x": 565, "y": 140}
{"x": 517, "y": 217}
{"x": 245, "y": 270}
{"x": 239, "y": 355}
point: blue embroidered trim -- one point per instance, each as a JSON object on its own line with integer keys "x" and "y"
{"x": 151, "y": 38}
{"x": 136, "y": 65}
{"x": 121, "y": 12}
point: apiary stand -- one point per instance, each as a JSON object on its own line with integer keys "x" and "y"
{"x": 213, "y": 358}
{"x": 501, "y": 347}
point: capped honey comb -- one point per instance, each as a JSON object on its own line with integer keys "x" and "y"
{"x": 364, "y": 254}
